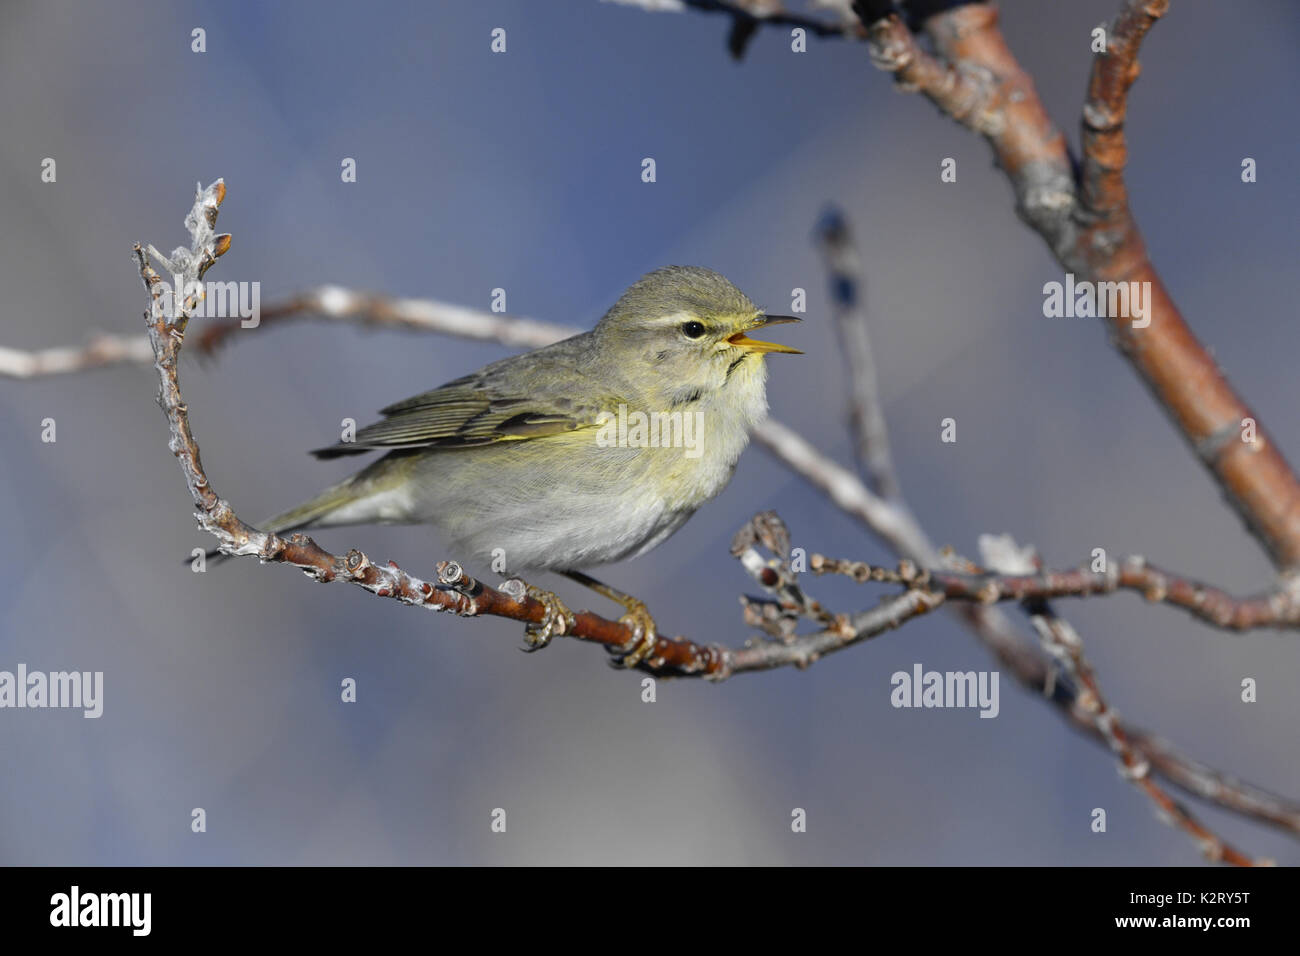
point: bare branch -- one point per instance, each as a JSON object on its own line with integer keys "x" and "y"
{"x": 102, "y": 350}
{"x": 323, "y": 302}
{"x": 1278, "y": 608}
{"x": 1102, "y": 192}
{"x": 790, "y": 603}
{"x": 1088, "y": 226}
{"x": 423, "y": 315}
{"x": 981, "y": 86}
{"x": 866, "y": 414}
{"x": 891, "y": 520}
{"x": 1214, "y": 785}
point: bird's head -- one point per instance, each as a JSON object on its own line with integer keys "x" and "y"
{"x": 683, "y": 332}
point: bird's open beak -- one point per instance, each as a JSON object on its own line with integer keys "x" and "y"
{"x": 741, "y": 340}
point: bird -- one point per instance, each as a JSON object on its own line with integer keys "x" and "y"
{"x": 589, "y": 451}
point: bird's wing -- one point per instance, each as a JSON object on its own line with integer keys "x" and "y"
{"x": 502, "y": 402}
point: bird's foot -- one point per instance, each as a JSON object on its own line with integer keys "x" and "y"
{"x": 645, "y": 634}
{"x": 558, "y": 620}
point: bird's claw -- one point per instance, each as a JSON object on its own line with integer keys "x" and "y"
{"x": 558, "y": 620}
{"x": 645, "y": 636}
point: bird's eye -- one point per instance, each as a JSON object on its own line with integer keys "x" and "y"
{"x": 692, "y": 330}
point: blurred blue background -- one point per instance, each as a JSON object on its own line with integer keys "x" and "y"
{"x": 522, "y": 171}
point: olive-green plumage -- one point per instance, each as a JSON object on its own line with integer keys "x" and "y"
{"x": 523, "y": 459}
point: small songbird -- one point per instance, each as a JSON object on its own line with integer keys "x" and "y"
{"x": 591, "y": 450}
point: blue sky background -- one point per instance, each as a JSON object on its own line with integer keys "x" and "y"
{"x": 521, "y": 171}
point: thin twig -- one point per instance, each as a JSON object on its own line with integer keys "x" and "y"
{"x": 789, "y": 602}
{"x": 367, "y": 309}
{"x": 101, "y": 351}
{"x": 323, "y": 302}
{"x": 866, "y": 413}
{"x": 1215, "y": 786}
{"x": 1278, "y": 608}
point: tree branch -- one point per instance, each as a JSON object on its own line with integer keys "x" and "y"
{"x": 422, "y": 315}
{"x": 323, "y": 302}
{"x": 866, "y": 413}
{"x": 1088, "y": 226}
{"x": 101, "y": 351}
{"x": 1279, "y": 608}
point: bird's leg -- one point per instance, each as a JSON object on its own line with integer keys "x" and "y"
{"x": 558, "y": 619}
{"x": 645, "y": 634}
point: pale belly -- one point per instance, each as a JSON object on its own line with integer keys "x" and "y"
{"x": 535, "y": 509}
